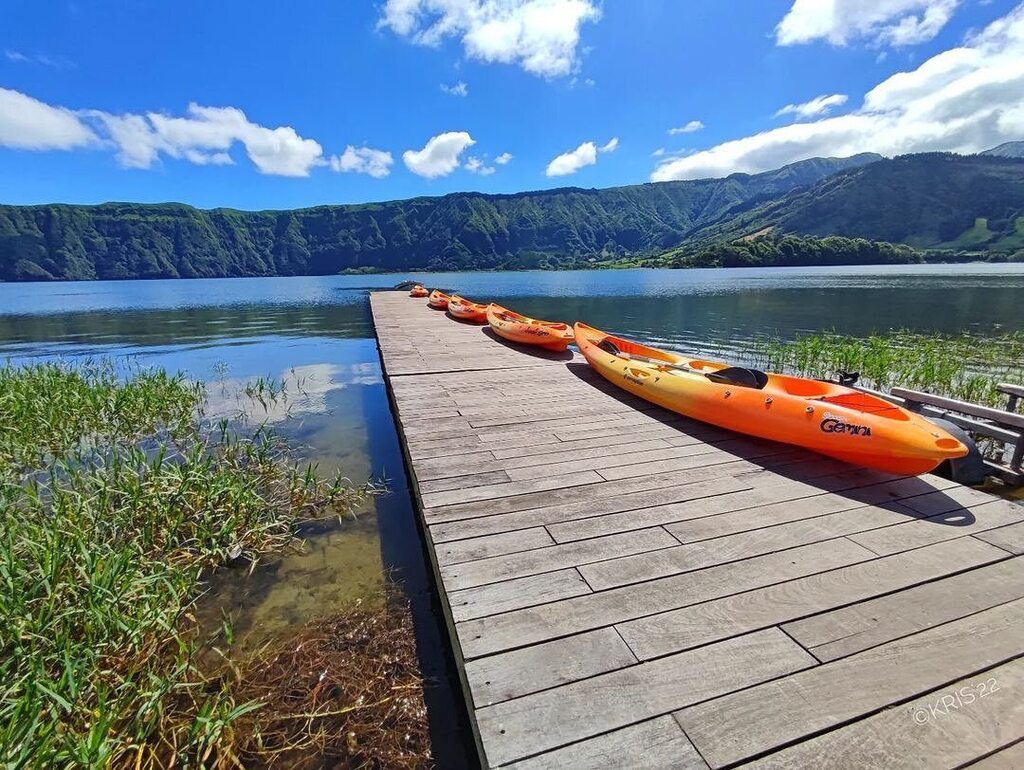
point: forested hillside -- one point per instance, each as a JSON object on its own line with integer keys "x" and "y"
{"x": 929, "y": 201}
{"x": 933, "y": 200}
{"x": 460, "y": 231}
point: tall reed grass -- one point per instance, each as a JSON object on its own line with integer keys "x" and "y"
{"x": 964, "y": 366}
{"x": 115, "y": 498}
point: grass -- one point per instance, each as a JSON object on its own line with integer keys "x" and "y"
{"x": 964, "y": 366}
{"x": 116, "y": 498}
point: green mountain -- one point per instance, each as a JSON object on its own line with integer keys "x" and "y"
{"x": 929, "y": 200}
{"x": 460, "y": 231}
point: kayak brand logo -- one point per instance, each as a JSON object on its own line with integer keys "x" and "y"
{"x": 835, "y": 424}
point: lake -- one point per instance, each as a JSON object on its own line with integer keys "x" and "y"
{"x": 316, "y": 334}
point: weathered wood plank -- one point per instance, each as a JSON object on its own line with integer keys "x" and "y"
{"x": 840, "y": 493}
{"x": 1009, "y": 758}
{"x": 515, "y": 594}
{"x": 966, "y": 521}
{"x": 745, "y": 724}
{"x": 848, "y": 630}
{"x": 546, "y": 720}
{"x": 520, "y": 672}
{"x": 684, "y": 558}
{"x": 772, "y": 605}
{"x": 455, "y": 552}
{"x": 475, "y": 526}
{"x": 1009, "y": 538}
{"x": 499, "y": 568}
{"x": 508, "y": 489}
{"x": 803, "y": 480}
{"x": 657, "y": 744}
{"x": 925, "y": 732}
{"x": 561, "y": 618}
{"x": 464, "y": 481}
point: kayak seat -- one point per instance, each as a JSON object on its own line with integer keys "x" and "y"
{"x": 740, "y": 376}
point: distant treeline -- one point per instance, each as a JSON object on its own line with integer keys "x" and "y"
{"x": 804, "y": 251}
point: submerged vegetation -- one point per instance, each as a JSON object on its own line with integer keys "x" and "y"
{"x": 964, "y": 366}
{"x": 116, "y": 498}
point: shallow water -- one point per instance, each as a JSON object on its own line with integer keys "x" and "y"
{"x": 318, "y": 331}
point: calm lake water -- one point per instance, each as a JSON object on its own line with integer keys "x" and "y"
{"x": 318, "y": 331}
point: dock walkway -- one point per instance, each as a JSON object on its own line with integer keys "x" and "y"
{"x": 629, "y": 588}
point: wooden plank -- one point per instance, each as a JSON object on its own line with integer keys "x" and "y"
{"x": 513, "y": 674}
{"x": 579, "y": 495}
{"x": 475, "y": 526}
{"x": 744, "y": 724}
{"x": 848, "y": 630}
{"x": 1009, "y": 538}
{"x": 516, "y": 594}
{"x": 508, "y": 489}
{"x": 1009, "y": 758}
{"x": 464, "y": 481}
{"x": 562, "y": 618}
{"x": 803, "y": 481}
{"x": 657, "y": 744}
{"x": 720, "y": 452}
{"x": 944, "y": 728}
{"x": 507, "y": 567}
{"x": 684, "y": 558}
{"x": 546, "y": 720}
{"x": 484, "y": 547}
{"x": 848, "y": 494}
{"x": 915, "y": 534}
{"x": 731, "y": 615}
{"x": 622, "y": 459}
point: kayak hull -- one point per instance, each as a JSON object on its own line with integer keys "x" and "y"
{"x": 438, "y": 300}
{"x": 509, "y": 325}
{"x": 827, "y": 418}
{"x": 465, "y": 310}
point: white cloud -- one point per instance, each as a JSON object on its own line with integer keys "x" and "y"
{"x": 541, "y": 36}
{"x": 504, "y": 158}
{"x": 819, "y": 105}
{"x": 882, "y": 22}
{"x": 29, "y": 124}
{"x": 205, "y": 136}
{"x": 57, "y": 62}
{"x": 440, "y": 155}
{"x": 689, "y": 128}
{"x": 659, "y": 152}
{"x": 965, "y": 99}
{"x": 477, "y": 166}
{"x": 459, "y": 89}
{"x": 584, "y": 155}
{"x": 363, "y": 160}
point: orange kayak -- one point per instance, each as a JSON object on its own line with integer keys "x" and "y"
{"x": 832, "y": 419}
{"x": 438, "y": 299}
{"x": 465, "y": 310}
{"x": 528, "y": 331}
{"x": 418, "y": 291}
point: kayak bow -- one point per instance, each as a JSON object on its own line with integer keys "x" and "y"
{"x": 514, "y": 327}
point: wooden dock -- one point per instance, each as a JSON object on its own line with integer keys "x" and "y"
{"x": 628, "y": 588}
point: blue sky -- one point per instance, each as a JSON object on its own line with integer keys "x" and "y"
{"x": 255, "y": 105}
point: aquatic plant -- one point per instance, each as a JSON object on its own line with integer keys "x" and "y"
{"x": 965, "y": 366}
{"x": 115, "y": 499}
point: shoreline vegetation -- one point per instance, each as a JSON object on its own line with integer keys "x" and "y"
{"x": 117, "y": 498}
{"x": 964, "y": 366}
